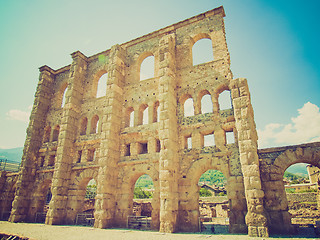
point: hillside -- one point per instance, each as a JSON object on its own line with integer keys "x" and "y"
{"x": 13, "y": 154}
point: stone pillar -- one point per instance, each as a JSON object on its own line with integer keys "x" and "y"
{"x": 168, "y": 134}
{"x": 66, "y": 151}
{"x": 105, "y": 203}
{"x": 248, "y": 149}
{"x": 35, "y": 131}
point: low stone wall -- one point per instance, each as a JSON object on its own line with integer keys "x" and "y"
{"x": 302, "y": 197}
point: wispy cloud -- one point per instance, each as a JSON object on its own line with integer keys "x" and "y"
{"x": 19, "y": 115}
{"x": 302, "y": 129}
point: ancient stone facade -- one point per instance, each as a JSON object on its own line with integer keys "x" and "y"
{"x": 74, "y": 137}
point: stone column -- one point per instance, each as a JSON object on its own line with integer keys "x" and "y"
{"x": 248, "y": 149}
{"x": 66, "y": 151}
{"x": 35, "y": 131}
{"x": 105, "y": 203}
{"x": 168, "y": 134}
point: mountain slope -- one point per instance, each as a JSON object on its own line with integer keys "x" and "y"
{"x": 13, "y": 154}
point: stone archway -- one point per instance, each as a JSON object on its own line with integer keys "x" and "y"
{"x": 77, "y": 192}
{"x": 274, "y": 162}
{"x": 189, "y": 195}
{"x": 129, "y": 175}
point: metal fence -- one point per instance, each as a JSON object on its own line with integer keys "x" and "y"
{"x": 8, "y": 165}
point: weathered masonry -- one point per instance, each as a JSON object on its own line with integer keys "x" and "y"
{"x": 141, "y": 127}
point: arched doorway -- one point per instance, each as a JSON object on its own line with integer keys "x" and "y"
{"x": 214, "y": 207}
{"x": 301, "y": 193}
{"x": 143, "y": 193}
{"x": 274, "y": 178}
{"x": 40, "y": 203}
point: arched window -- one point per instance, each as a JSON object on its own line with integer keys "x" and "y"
{"x": 188, "y": 108}
{"x": 55, "y": 134}
{"x": 94, "y": 124}
{"x": 147, "y": 68}
{"x": 83, "y": 126}
{"x": 143, "y": 114}
{"x": 129, "y": 119}
{"x": 64, "y": 97}
{"x": 156, "y": 112}
{"x": 202, "y": 51}
{"x": 206, "y": 104}
{"x": 102, "y": 85}
{"x": 225, "y": 100}
{"x": 145, "y": 117}
{"x": 91, "y": 154}
{"x": 46, "y": 135}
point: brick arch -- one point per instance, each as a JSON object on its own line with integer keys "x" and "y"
{"x": 85, "y": 176}
{"x": 197, "y": 168}
{"x": 310, "y": 155}
{"x": 129, "y": 175}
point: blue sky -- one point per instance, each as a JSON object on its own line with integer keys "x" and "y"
{"x": 274, "y": 44}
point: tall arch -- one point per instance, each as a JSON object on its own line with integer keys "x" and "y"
{"x": 186, "y": 105}
{"x": 225, "y": 101}
{"x": 275, "y": 201}
{"x": 47, "y": 133}
{"x": 63, "y": 95}
{"x": 102, "y": 85}
{"x": 76, "y": 201}
{"x": 55, "y": 133}
{"x": 146, "y": 64}
{"x": 189, "y": 194}
{"x": 202, "y": 50}
{"x": 94, "y": 124}
{"x": 205, "y": 102}
{"x": 83, "y": 126}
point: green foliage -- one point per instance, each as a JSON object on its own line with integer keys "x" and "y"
{"x": 91, "y": 192}
{"x": 139, "y": 193}
{"x": 203, "y": 192}
{"x": 307, "y": 190}
{"x": 222, "y": 194}
{"x": 145, "y": 181}
{"x": 290, "y": 176}
{"x": 290, "y": 190}
{"x": 213, "y": 177}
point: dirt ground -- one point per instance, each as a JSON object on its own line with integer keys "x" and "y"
{"x": 48, "y": 232}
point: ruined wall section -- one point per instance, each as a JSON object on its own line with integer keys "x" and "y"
{"x": 105, "y": 205}
{"x": 65, "y": 150}
{"x": 33, "y": 143}
{"x": 273, "y": 164}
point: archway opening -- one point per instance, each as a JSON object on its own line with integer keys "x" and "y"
{"x": 225, "y": 101}
{"x": 102, "y": 86}
{"x": 202, "y": 51}
{"x": 206, "y": 104}
{"x": 301, "y": 186}
{"x": 147, "y": 68}
{"x": 41, "y": 202}
{"x": 213, "y": 203}
{"x": 188, "y": 108}
{"x": 143, "y": 192}
{"x": 85, "y": 204}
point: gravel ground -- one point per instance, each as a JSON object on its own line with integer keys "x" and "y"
{"x": 49, "y": 232}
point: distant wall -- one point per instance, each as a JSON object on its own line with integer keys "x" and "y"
{"x": 302, "y": 197}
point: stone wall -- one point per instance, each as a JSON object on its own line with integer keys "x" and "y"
{"x": 75, "y": 136}
{"x": 302, "y": 197}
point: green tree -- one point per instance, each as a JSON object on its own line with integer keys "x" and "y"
{"x": 203, "y": 192}
{"x": 139, "y": 193}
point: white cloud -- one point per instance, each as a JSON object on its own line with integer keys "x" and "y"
{"x": 302, "y": 129}
{"x": 19, "y": 115}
